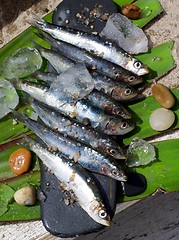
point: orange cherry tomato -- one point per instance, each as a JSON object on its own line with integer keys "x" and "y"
{"x": 20, "y": 161}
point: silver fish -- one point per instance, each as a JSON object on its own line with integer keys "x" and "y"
{"x": 75, "y": 178}
{"x": 100, "y": 99}
{"x": 93, "y": 62}
{"x": 97, "y": 140}
{"x": 81, "y": 110}
{"x": 116, "y": 89}
{"x": 59, "y": 62}
{"x": 108, "y": 105}
{"x": 94, "y": 44}
{"x": 84, "y": 155}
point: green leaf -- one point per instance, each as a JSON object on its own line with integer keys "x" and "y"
{"x": 6, "y": 196}
{"x": 162, "y": 173}
{"x": 141, "y": 113}
{"x": 122, "y": 2}
{"x": 159, "y": 59}
{"x": 18, "y": 212}
{"x": 150, "y": 9}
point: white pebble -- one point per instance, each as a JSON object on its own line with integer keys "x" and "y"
{"x": 25, "y": 196}
{"x": 161, "y": 119}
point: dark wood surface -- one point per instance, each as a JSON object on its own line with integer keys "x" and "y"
{"x": 153, "y": 218}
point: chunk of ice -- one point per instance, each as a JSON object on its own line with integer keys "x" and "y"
{"x": 21, "y": 63}
{"x": 125, "y": 34}
{"x": 140, "y": 153}
{"x": 8, "y": 97}
{"x": 73, "y": 84}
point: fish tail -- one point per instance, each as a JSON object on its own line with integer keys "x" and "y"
{"x": 18, "y": 116}
{"x": 26, "y": 98}
{"x": 26, "y": 142}
{"x": 16, "y": 83}
{"x": 37, "y": 22}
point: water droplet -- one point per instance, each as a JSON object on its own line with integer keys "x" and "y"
{"x": 146, "y": 12}
{"x": 157, "y": 59}
{"x": 145, "y": 105}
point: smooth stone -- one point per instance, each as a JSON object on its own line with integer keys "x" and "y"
{"x": 163, "y": 95}
{"x": 161, "y": 119}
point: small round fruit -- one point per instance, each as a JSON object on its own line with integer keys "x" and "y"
{"x": 163, "y": 96}
{"x": 161, "y": 119}
{"x": 20, "y": 161}
{"x": 25, "y": 196}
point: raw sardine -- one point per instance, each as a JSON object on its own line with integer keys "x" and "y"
{"x": 84, "y": 155}
{"x": 93, "y": 62}
{"x": 75, "y": 178}
{"x": 97, "y": 98}
{"x": 109, "y": 105}
{"x": 94, "y": 44}
{"x": 97, "y": 140}
{"x": 81, "y": 110}
{"x": 116, "y": 89}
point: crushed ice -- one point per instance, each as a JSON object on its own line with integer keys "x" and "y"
{"x": 73, "y": 84}
{"x": 21, "y": 63}
{"x": 140, "y": 153}
{"x": 124, "y": 33}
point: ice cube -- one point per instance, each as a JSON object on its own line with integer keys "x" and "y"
{"x": 140, "y": 153}
{"x": 125, "y": 34}
{"x": 8, "y": 97}
{"x": 21, "y": 63}
{"x": 73, "y": 84}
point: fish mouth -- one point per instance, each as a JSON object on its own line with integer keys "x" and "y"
{"x": 142, "y": 71}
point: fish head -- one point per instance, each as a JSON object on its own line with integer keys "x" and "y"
{"x": 98, "y": 212}
{"x": 123, "y": 93}
{"x": 131, "y": 79}
{"x": 114, "y": 171}
{"x": 120, "y": 127}
{"x": 135, "y": 66}
{"x": 115, "y": 152}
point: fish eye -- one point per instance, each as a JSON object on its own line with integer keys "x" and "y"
{"x": 131, "y": 78}
{"x": 102, "y": 213}
{"x": 112, "y": 151}
{"x": 120, "y": 113}
{"x": 115, "y": 172}
{"x": 137, "y": 65}
{"x": 124, "y": 125}
{"x": 127, "y": 91}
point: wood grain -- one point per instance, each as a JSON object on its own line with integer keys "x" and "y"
{"x": 156, "y": 217}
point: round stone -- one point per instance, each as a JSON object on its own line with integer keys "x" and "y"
{"x": 161, "y": 119}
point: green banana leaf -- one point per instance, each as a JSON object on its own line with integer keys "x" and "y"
{"x": 158, "y": 55}
{"x": 150, "y": 9}
{"x": 162, "y": 173}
